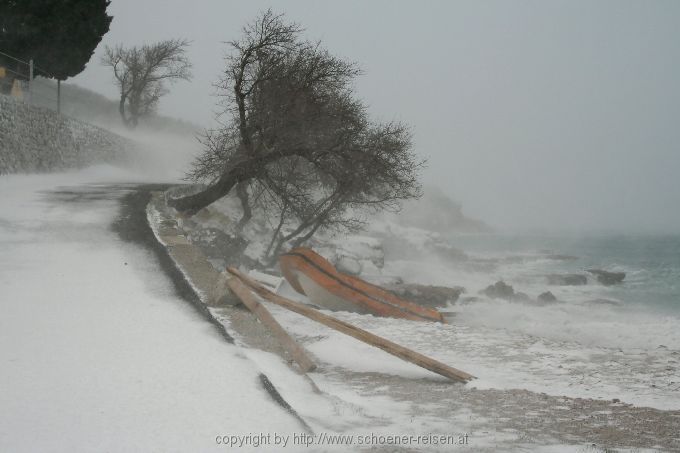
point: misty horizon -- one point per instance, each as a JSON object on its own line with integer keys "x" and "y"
{"x": 555, "y": 116}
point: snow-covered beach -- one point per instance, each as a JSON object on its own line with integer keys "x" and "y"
{"x": 546, "y": 372}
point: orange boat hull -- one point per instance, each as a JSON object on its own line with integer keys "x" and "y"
{"x": 311, "y": 274}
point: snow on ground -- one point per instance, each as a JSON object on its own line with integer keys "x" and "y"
{"x": 500, "y": 358}
{"x": 344, "y": 409}
{"x": 571, "y": 348}
{"x": 97, "y": 352}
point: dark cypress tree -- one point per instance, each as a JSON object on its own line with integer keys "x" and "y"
{"x": 59, "y": 35}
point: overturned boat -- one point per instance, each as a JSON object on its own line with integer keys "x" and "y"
{"x": 312, "y": 275}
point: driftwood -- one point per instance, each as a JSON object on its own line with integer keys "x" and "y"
{"x": 353, "y": 331}
{"x": 296, "y": 351}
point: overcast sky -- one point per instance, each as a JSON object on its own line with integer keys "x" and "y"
{"x": 555, "y": 114}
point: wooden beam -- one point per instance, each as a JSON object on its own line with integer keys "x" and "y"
{"x": 353, "y": 331}
{"x": 247, "y": 297}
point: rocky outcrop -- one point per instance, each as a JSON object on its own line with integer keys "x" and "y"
{"x": 35, "y": 139}
{"x": 608, "y": 278}
{"x": 567, "y": 279}
{"x": 499, "y": 290}
{"x": 431, "y": 296}
{"x": 547, "y": 297}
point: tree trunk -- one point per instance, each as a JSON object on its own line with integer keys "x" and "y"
{"x": 242, "y": 193}
{"x": 121, "y": 110}
{"x": 282, "y": 219}
{"x": 240, "y": 170}
{"x": 283, "y": 239}
{"x": 191, "y": 204}
{"x": 300, "y": 240}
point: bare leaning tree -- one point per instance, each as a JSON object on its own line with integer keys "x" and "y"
{"x": 296, "y": 143}
{"x": 141, "y": 74}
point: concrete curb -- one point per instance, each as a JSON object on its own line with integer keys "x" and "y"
{"x": 205, "y": 282}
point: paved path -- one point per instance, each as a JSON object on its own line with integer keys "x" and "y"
{"x": 99, "y": 351}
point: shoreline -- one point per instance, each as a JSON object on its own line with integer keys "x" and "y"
{"x": 518, "y": 419}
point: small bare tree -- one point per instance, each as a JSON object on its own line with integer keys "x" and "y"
{"x": 297, "y": 144}
{"x": 141, "y": 74}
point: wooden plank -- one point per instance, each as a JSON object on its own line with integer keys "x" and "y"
{"x": 220, "y": 294}
{"x": 353, "y": 331}
{"x": 296, "y": 351}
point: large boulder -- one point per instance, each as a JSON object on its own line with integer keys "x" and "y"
{"x": 547, "y": 297}
{"x": 431, "y": 296}
{"x": 608, "y": 278}
{"x": 567, "y": 279}
{"x": 499, "y": 290}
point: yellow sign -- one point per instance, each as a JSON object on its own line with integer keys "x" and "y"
{"x": 2, "y": 72}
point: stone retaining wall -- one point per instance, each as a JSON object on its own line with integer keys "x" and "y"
{"x": 35, "y": 139}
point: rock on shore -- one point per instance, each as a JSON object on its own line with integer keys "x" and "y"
{"x": 606, "y": 277}
{"x": 567, "y": 279}
{"x": 431, "y": 296}
{"x": 499, "y": 290}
